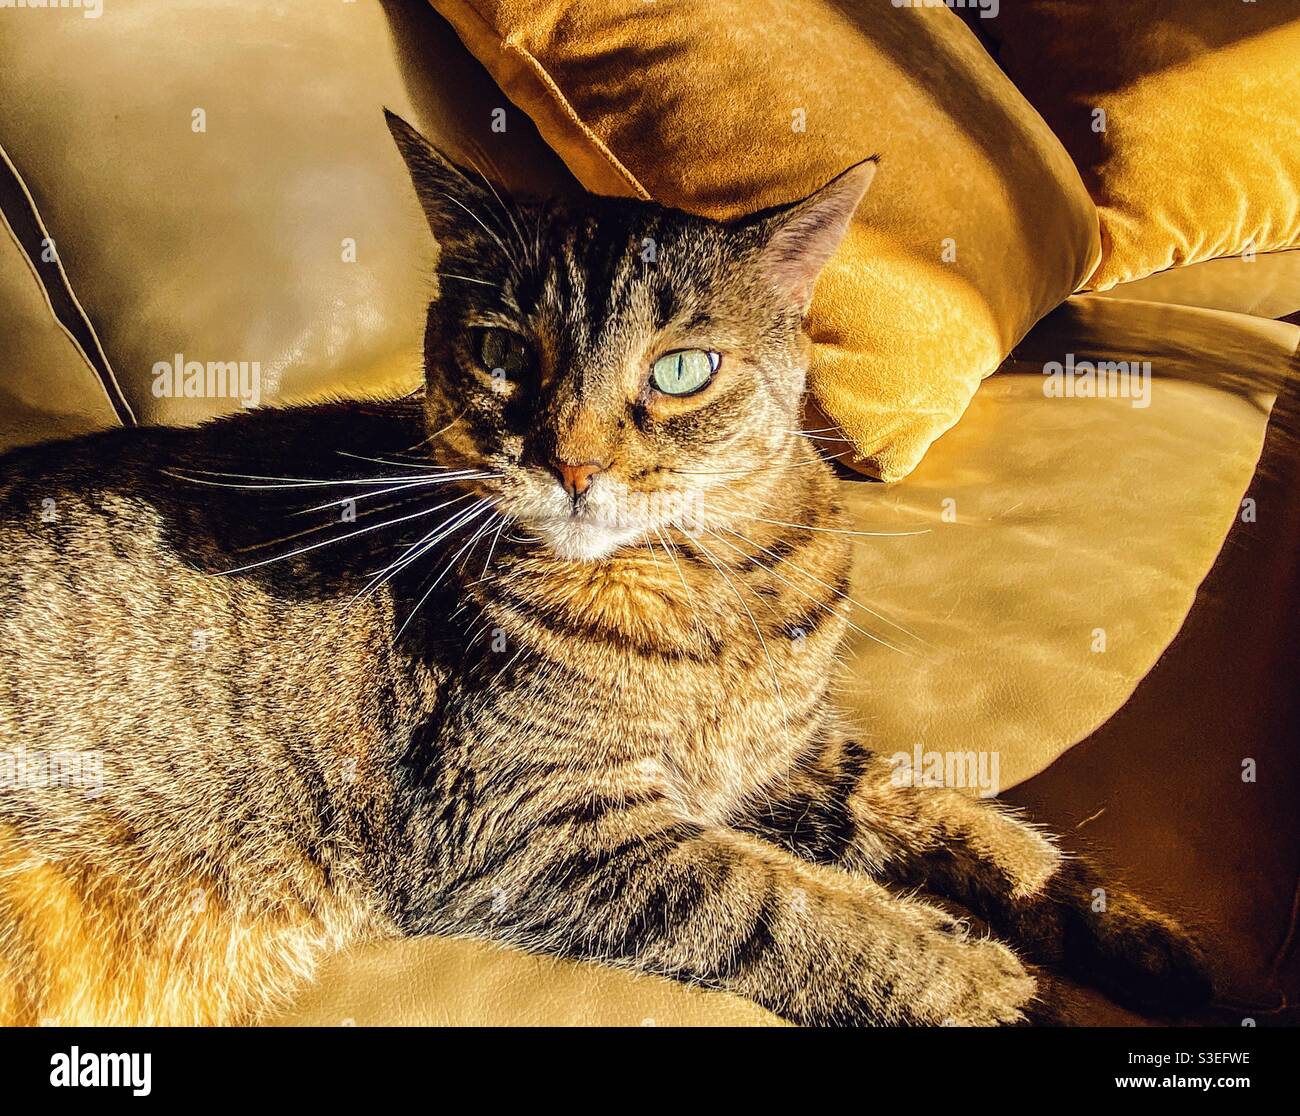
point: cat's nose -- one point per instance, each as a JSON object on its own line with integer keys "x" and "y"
{"x": 576, "y": 477}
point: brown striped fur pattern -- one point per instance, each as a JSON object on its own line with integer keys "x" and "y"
{"x": 572, "y": 721}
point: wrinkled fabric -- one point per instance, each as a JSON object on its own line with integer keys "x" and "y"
{"x": 1199, "y": 153}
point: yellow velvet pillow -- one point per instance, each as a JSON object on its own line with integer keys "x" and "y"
{"x": 1197, "y": 154}
{"x": 977, "y": 223}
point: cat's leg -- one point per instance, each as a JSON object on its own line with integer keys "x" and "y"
{"x": 846, "y": 807}
{"x": 726, "y": 910}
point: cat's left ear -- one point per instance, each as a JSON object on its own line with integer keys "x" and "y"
{"x": 799, "y": 238}
{"x": 448, "y": 194}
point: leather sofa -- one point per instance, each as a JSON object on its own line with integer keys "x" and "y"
{"x": 1105, "y": 595}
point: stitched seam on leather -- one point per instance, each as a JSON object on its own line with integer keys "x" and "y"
{"x": 16, "y": 201}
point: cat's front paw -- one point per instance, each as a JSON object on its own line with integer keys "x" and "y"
{"x": 978, "y": 983}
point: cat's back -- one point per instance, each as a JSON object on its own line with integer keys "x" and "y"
{"x": 123, "y": 617}
{"x": 79, "y": 551}
{"x": 173, "y": 735}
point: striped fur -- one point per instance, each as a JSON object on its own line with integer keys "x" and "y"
{"x": 631, "y": 757}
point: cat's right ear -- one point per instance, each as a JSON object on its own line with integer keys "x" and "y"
{"x": 447, "y": 193}
{"x": 801, "y": 237}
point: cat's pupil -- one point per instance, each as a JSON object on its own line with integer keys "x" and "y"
{"x": 684, "y": 371}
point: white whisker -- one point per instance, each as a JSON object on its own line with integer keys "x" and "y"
{"x": 824, "y": 584}
{"x": 339, "y": 539}
{"x": 670, "y": 550}
{"x": 776, "y": 681}
{"x": 833, "y": 530}
{"x": 404, "y": 486}
{"x": 465, "y": 278}
{"x": 504, "y": 250}
{"x": 366, "y": 513}
{"x": 519, "y": 232}
{"x": 287, "y": 482}
{"x": 395, "y": 464}
{"x": 820, "y": 437}
{"x": 505, "y": 520}
{"x": 415, "y": 551}
{"x": 477, "y": 510}
{"x": 437, "y": 433}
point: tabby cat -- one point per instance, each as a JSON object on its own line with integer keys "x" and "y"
{"x": 540, "y": 656}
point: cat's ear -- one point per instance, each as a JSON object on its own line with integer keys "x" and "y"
{"x": 448, "y": 194}
{"x": 799, "y": 238}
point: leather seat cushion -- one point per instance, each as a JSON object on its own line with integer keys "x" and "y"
{"x": 1266, "y": 285}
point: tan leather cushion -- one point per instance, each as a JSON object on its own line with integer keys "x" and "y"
{"x": 228, "y": 245}
{"x": 1267, "y": 285}
{"x": 452, "y": 982}
{"x": 1071, "y": 515}
{"x": 1158, "y": 789}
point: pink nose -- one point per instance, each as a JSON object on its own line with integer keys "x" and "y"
{"x": 576, "y": 478}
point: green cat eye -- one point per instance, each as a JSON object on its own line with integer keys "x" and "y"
{"x": 504, "y": 353}
{"x": 685, "y": 371}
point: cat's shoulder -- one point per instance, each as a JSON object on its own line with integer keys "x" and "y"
{"x": 134, "y": 456}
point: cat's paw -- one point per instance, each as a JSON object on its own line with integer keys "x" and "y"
{"x": 1052, "y": 1004}
{"x": 978, "y": 982}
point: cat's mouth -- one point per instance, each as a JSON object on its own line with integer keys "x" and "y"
{"x": 586, "y": 528}
{"x": 580, "y": 536}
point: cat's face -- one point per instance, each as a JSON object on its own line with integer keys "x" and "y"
{"x": 619, "y": 368}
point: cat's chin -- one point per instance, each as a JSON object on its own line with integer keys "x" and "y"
{"x": 577, "y": 540}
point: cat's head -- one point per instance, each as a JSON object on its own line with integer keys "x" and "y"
{"x": 618, "y": 366}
